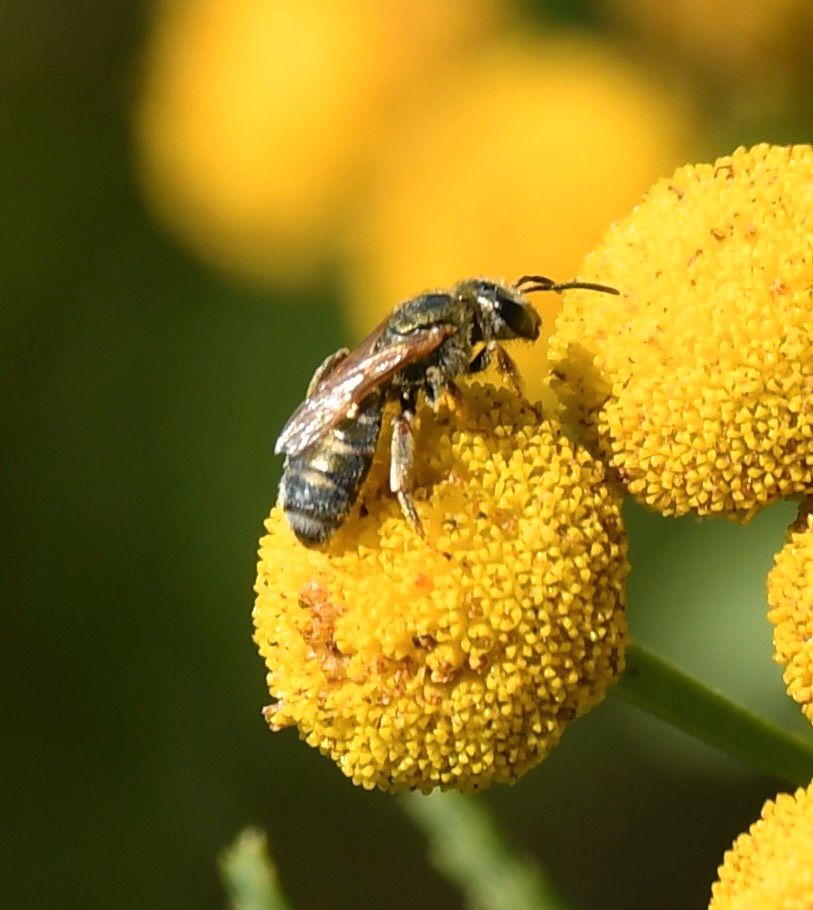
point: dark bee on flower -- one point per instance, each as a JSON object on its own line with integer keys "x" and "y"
{"x": 423, "y": 346}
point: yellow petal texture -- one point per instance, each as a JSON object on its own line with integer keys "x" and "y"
{"x": 257, "y": 116}
{"x": 459, "y": 659}
{"x": 515, "y": 163}
{"x": 790, "y": 596}
{"x": 696, "y": 385}
{"x": 771, "y": 867}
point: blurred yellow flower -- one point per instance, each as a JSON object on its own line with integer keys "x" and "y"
{"x": 459, "y": 659}
{"x": 771, "y": 867}
{"x": 790, "y": 596}
{"x": 516, "y": 163}
{"x": 739, "y": 43}
{"x": 696, "y": 385}
{"x": 257, "y": 116}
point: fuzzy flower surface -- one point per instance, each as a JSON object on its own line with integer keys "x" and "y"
{"x": 790, "y": 596}
{"x": 696, "y": 385}
{"x": 455, "y": 660}
{"x": 771, "y": 867}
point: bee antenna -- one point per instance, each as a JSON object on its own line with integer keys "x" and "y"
{"x": 529, "y": 284}
{"x": 532, "y": 279}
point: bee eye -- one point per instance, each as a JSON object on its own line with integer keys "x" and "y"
{"x": 522, "y": 320}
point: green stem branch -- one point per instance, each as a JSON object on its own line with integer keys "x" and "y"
{"x": 466, "y": 846}
{"x": 660, "y": 688}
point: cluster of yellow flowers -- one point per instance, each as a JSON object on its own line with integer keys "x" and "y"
{"x": 695, "y": 387}
{"x": 456, "y": 660}
{"x": 266, "y": 129}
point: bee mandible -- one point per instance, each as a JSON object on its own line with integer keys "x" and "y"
{"x": 423, "y": 346}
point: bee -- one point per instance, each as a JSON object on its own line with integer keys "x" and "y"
{"x": 422, "y": 347}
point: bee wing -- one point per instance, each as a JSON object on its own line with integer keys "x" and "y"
{"x": 350, "y": 382}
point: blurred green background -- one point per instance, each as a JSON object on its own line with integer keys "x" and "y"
{"x": 142, "y": 391}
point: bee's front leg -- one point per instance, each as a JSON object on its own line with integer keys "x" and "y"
{"x": 402, "y": 459}
{"x": 504, "y": 363}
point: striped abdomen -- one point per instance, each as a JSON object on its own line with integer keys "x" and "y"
{"x": 320, "y": 485}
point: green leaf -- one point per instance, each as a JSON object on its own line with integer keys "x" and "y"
{"x": 249, "y": 875}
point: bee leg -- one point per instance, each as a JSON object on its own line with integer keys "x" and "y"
{"x": 505, "y": 365}
{"x": 437, "y": 385}
{"x": 402, "y": 458}
{"x": 325, "y": 368}
{"x": 509, "y": 369}
{"x": 454, "y": 393}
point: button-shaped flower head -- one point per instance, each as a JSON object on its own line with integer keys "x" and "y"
{"x": 696, "y": 385}
{"x": 790, "y": 595}
{"x": 458, "y": 659}
{"x": 771, "y": 867}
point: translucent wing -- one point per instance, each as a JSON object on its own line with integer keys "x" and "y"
{"x": 351, "y": 381}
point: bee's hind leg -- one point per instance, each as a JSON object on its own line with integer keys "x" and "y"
{"x": 402, "y": 460}
{"x": 325, "y": 368}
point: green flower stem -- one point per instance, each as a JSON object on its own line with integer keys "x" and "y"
{"x": 249, "y": 875}
{"x": 657, "y": 686}
{"x": 467, "y": 848}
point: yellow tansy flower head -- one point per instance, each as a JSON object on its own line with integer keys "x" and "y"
{"x": 696, "y": 385}
{"x": 771, "y": 867}
{"x": 790, "y": 595}
{"x": 458, "y": 659}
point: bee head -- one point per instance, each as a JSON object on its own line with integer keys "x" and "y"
{"x": 502, "y": 312}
